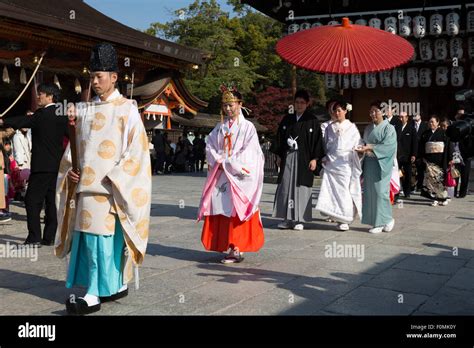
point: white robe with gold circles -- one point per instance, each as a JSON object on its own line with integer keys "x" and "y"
{"x": 114, "y": 161}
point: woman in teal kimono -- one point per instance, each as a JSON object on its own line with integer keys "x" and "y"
{"x": 379, "y": 152}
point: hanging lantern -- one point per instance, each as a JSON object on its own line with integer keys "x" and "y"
{"x": 412, "y": 77}
{"x": 305, "y": 26}
{"x": 330, "y": 81}
{"x": 6, "y": 76}
{"x": 370, "y": 80}
{"x": 457, "y": 76}
{"x": 425, "y": 77}
{"x": 398, "y": 76}
{"x": 404, "y": 25}
{"x": 442, "y": 76}
{"x": 344, "y": 81}
{"x": 23, "y": 76}
{"x": 56, "y": 81}
{"x": 419, "y": 27}
{"x": 455, "y": 48}
{"x": 470, "y": 21}
{"x": 293, "y": 28}
{"x": 385, "y": 78}
{"x": 375, "y": 23}
{"x": 436, "y": 24}
{"x": 470, "y": 47}
{"x": 356, "y": 81}
{"x": 317, "y": 24}
{"x": 361, "y": 21}
{"x": 441, "y": 49}
{"x": 426, "y": 53}
{"x": 452, "y": 24}
{"x": 390, "y": 24}
{"x": 77, "y": 86}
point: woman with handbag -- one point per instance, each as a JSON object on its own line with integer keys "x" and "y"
{"x": 435, "y": 152}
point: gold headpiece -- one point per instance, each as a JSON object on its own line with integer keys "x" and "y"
{"x": 229, "y": 97}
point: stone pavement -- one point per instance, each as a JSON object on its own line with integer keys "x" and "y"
{"x": 424, "y": 267}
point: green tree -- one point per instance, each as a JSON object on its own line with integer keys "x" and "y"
{"x": 241, "y": 50}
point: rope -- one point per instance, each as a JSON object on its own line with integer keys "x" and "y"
{"x": 26, "y": 87}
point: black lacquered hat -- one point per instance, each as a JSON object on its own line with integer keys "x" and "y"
{"x": 103, "y": 58}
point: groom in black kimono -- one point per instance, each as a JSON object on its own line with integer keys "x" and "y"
{"x": 299, "y": 146}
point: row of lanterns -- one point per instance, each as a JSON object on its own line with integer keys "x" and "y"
{"x": 23, "y": 79}
{"x": 405, "y": 25}
{"x": 396, "y": 78}
{"x": 441, "y": 49}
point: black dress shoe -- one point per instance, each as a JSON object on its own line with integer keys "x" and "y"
{"x": 46, "y": 242}
{"x": 80, "y": 307}
{"x": 114, "y": 297}
{"x": 35, "y": 244}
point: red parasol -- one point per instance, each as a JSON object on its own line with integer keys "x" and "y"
{"x": 345, "y": 49}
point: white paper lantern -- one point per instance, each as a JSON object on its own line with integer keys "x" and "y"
{"x": 470, "y": 21}
{"x": 419, "y": 27}
{"x": 390, "y": 24}
{"x": 412, "y": 77}
{"x": 293, "y": 28}
{"x": 305, "y": 26}
{"x": 452, "y": 24}
{"x": 441, "y": 49}
{"x": 375, "y": 23}
{"x": 455, "y": 48}
{"x": 425, "y": 77}
{"x": 356, "y": 81}
{"x": 317, "y": 24}
{"x": 398, "y": 77}
{"x": 361, "y": 21}
{"x": 470, "y": 47}
{"x": 370, "y": 80}
{"x": 330, "y": 80}
{"x": 385, "y": 78}
{"x": 436, "y": 24}
{"x": 442, "y": 76}
{"x": 426, "y": 53}
{"x": 404, "y": 26}
{"x": 457, "y": 76}
{"x": 333, "y": 23}
{"x": 344, "y": 81}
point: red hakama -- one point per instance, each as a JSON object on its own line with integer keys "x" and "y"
{"x": 220, "y": 233}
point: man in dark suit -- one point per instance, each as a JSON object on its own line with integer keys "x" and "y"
{"x": 394, "y": 121}
{"x": 48, "y": 128}
{"x": 406, "y": 151}
{"x": 420, "y": 127}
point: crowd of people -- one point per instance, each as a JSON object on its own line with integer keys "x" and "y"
{"x": 182, "y": 156}
{"x": 364, "y": 175}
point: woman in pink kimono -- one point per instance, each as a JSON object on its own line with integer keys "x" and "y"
{"x": 234, "y": 184}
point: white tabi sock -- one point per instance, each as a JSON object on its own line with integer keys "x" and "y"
{"x": 91, "y": 299}
{"x": 123, "y": 288}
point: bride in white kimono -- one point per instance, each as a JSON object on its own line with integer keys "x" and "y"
{"x": 340, "y": 197}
